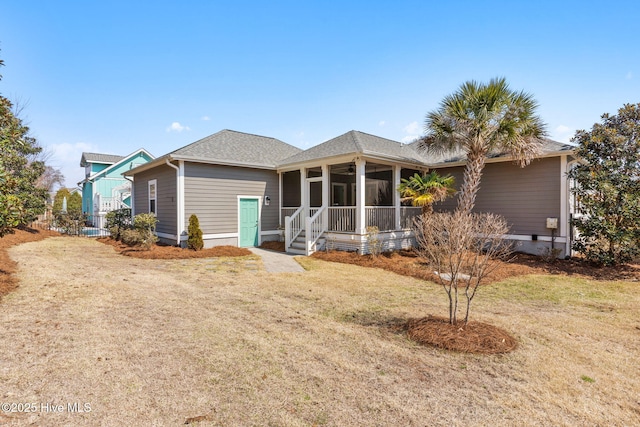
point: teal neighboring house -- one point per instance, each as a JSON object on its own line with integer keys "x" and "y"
{"x": 104, "y": 188}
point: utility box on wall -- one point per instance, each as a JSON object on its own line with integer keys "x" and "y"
{"x": 552, "y": 223}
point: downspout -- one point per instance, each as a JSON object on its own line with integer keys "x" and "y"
{"x": 178, "y": 199}
{"x": 133, "y": 196}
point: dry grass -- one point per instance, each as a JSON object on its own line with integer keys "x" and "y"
{"x": 221, "y": 342}
{"x": 7, "y": 266}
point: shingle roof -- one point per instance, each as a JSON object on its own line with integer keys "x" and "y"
{"x": 99, "y": 158}
{"x": 549, "y": 146}
{"x": 228, "y": 146}
{"x": 355, "y": 142}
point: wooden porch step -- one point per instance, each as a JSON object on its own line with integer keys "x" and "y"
{"x": 296, "y": 251}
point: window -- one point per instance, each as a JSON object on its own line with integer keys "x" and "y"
{"x": 153, "y": 184}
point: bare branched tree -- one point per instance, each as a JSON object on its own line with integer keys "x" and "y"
{"x": 463, "y": 249}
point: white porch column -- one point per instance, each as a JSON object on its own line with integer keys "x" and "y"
{"x": 564, "y": 205}
{"x": 326, "y": 178}
{"x": 396, "y": 194}
{"x": 303, "y": 191}
{"x": 361, "y": 219}
{"x": 180, "y": 201}
{"x": 280, "y": 199}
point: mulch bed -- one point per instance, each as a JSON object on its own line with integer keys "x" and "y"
{"x": 174, "y": 252}
{"x": 7, "y": 265}
{"x": 474, "y": 337}
{"x": 407, "y": 263}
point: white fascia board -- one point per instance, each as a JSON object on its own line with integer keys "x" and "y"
{"x": 223, "y": 162}
{"x": 338, "y": 159}
{"x": 351, "y": 158}
{"x": 497, "y": 160}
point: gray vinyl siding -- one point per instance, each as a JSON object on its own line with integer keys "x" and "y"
{"x": 526, "y": 197}
{"x": 212, "y": 194}
{"x": 166, "y": 196}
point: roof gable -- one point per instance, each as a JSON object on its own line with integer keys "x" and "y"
{"x": 108, "y": 159}
{"x": 356, "y": 142}
{"x": 117, "y": 168}
{"x": 232, "y": 147}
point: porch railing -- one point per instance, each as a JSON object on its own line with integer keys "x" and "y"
{"x": 407, "y": 215}
{"x": 293, "y": 226}
{"x": 342, "y": 218}
{"x": 383, "y": 217}
{"x": 315, "y": 226}
{"x": 108, "y": 204}
{"x": 288, "y": 211}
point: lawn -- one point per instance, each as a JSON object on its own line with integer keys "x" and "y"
{"x": 219, "y": 340}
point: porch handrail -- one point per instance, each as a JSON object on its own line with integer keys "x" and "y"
{"x": 292, "y": 226}
{"x": 314, "y": 227}
{"x": 287, "y": 211}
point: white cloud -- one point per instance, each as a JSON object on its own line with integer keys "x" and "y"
{"x": 413, "y": 132}
{"x": 177, "y": 127}
{"x": 382, "y": 123}
{"x": 412, "y": 128}
{"x": 629, "y": 75}
{"x": 409, "y": 138}
{"x": 206, "y": 118}
{"x": 563, "y": 133}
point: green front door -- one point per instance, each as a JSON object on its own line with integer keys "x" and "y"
{"x": 248, "y": 222}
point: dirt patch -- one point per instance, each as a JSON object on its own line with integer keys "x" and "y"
{"x": 474, "y": 337}
{"x": 174, "y": 252}
{"x": 7, "y": 265}
{"x": 407, "y": 263}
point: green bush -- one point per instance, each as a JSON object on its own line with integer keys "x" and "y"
{"x": 143, "y": 232}
{"x": 145, "y": 224}
{"x": 118, "y": 221}
{"x": 131, "y": 237}
{"x": 195, "y": 241}
{"x": 70, "y": 223}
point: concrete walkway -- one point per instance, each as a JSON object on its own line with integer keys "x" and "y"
{"x": 278, "y": 262}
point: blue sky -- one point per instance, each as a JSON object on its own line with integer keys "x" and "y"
{"x": 114, "y": 76}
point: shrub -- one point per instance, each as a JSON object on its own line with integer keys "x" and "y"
{"x": 143, "y": 232}
{"x": 131, "y": 237}
{"x": 463, "y": 249}
{"x": 145, "y": 224}
{"x": 195, "y": 241}
{"x": 70, "y": 223}
{"x": 373, "y": 240}
{"x": 118, "y": 221}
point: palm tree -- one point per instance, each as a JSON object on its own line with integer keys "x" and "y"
{"x": 424, "y": 190}
{"x": 481, "y": 119}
